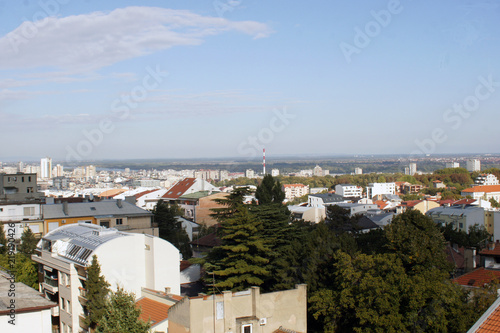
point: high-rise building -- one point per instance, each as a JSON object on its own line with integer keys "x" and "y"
{"x": 275, "y": 172}
{"x": 249, "y": 173}
{"x": 46, "y": 168}
{"x": 452, "y": 165}
{"x": 411, "y": 169}
{"x": 473, "y": 165}
{"x": 358, "y": 171}
{"x": 317, "y": 171}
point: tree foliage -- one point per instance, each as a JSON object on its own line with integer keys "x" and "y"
{"x": 170, "y": 227}
{"x": 122, "y": 315}
{"x": 26, "y": 270}
{"x": 240, "y": 261}
{"x": 97, "y": 291}
{"x": 269, "y": 191}
{"x": 28, "y": 242}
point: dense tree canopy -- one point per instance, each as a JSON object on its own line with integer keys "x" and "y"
{"x": 122, "y": 315}
{"x": 170, "y": 227}
{"x": 28, "y": 243}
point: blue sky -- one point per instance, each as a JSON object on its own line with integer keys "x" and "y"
{"x": 186, "y": 79}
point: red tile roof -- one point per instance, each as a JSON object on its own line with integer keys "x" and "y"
{"x": 489, "y": 321}
{"x": 152, "y": 310}
{"x": 411, "y": 203}
{"x": 478, "y": 277}
{"x": 495, "y": 251}
{"x": 483, "y": 188}
{"x": 111, "y": 193}
{"x": 381, "y": 204}
{"x": 179, "y": 188}
{"x": 138, "y": 195}
{"x": 209, "y": 240}
{"x": 184, "y": 264}
{"x": 464, "y": 202}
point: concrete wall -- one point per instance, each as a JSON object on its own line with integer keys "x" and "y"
{"x": 140, "y": 261}
{"x": 265, "y": 312}
{"x": 33, "y": 322}
{"x": 203, "y": 210}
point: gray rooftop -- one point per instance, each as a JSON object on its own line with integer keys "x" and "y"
{"x": 329, "y": 197}
{"x": 77, "y": 242}
{"x": 98, "y": 208}
{"x": 26, "y": 298}
{"x": 454, "y": 210}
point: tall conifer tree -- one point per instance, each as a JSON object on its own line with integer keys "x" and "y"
{"x": 97, "y": 292}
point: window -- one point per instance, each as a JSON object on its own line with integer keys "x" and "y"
{"x": 29, "y": 211}
{"x": 69, "y": 306}
{"x": 119, "y": 221}
{"x": 29, "y": 190}
{"x": 247, "y": 328}
{"x": 63, "y": 304}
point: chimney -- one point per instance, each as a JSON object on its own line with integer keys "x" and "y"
{"x": 65, "y": 207}
{"x": 119, "y": 203}
{"x": 167, "y": 290}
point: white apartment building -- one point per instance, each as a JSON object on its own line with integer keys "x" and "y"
{"x": 486, "y": 179}
{"x": 249, "y": 173}
{"x": 374, "y": 189}
{"x": 483, "y": 192}
{"x": 349, "y": 190}
{"x": 128, "y": 260}
{"x": 293, "y": 191}
{"x": 452, "y": 165}
{"x": 473, "y": 165}
{"x": 46, "y": 168}
{"x": 275, "y": 172}
{"x": 358, "y": 171}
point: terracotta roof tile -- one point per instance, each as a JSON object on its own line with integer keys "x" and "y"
{"x": 493, "y": 252}
{"x": 152, "y": 310}
{"x": 179, "y": 188}
{"x": 111, "y": 193}
{"x": 209, "y": 240}
{"x": 483, "y": 188}
{"x": 138, "y": 195}
{"x": 478, "y": 277}
{"x": 491, "y": 324}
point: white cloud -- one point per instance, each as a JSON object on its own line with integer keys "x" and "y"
{"x": 92, "y": 41}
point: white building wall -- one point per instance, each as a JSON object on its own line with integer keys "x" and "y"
{"x": 32, "y": 322}
{"x": 140, "y": 261}
{"x": 374, "y": 189}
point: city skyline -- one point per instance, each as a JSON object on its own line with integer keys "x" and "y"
{"x": 161, "y": 79}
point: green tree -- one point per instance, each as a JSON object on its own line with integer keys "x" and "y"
{"x": 240, "y": 262}
{"x": 28, "y": 242}
{"x": 269, "y": 191}
{"x": 494, "y": 203}
{"x": 418, "y": 242}
{"x": 97, "y": 291}
{"x": 375, "y": 293}
{"x": 122, "y": 315}
{"x": 25, "y": 268}
{"x": 3, "y": 240}
{"x": 170, "y": 227}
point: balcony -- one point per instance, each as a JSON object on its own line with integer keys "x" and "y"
{"x": 54, "y": 312}
{"x": 82, "y": 323}
{"x": 82, "y": 297}
{"x": 50, "y": 284}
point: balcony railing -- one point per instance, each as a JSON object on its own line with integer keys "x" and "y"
{"x": 51, "y": 281}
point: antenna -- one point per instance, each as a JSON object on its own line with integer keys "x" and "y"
{"x": 264, "y": 161}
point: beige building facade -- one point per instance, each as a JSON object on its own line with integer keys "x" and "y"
{"x": 241, "y": 312}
